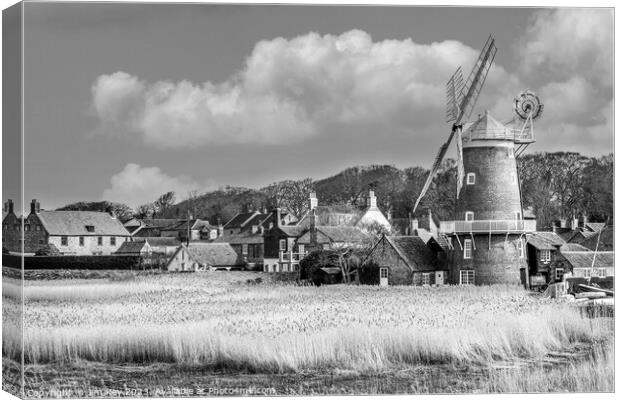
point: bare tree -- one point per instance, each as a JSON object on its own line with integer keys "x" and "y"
{"x": 145, "y": 211}
{"x": 291, "y": 195}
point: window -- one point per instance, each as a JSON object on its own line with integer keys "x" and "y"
{"x": 90, "y": 228}
{"x": 469, "y": 216}
{"x": 383, "y": 273}
{"x": 282, "y": 245}
{"x": 467, "y": 277}
{"x": 545, "y": 256}
{"x": 301, "y": 249}
{"x": 587, "y": 272}
{"x": 113, "y": 241}
{"x": 17, "y": 228}
{"x": 520, "y": 248}
{"x": 601, "y": 272}
{"x": 82, "y": 241}
{"x": 426, "y": 278}
{"x": 467, "y": 248}
{"x": 559, "y": 273}
{"x": 518, "y": 215}
{"x": 471, "y": 178}
{"x": 244, "y": 249}
{"x": 64, "y": 241}
{"x": 41, "y": 241}
{"x": 37, "y": 227}
{"x": 26, "y": 227}
{"x": 99, "y": 241}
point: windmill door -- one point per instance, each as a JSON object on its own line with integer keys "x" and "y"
{"x": 438, "y": 277}
{"x": 383, "y": 276}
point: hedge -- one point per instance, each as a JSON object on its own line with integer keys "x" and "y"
{"x": 122, "y": 262}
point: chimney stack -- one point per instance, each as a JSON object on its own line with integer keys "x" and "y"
{"x": 314, "y": 202}
{"x": 277, "y": 215}
{"x": 220, "y": 228}
{"x": 8, "y": 206}
{"x": 372, "y": 200}
{"x": 313, "y": 240}
{"x": 35, "y": 207}
{"x": 585, "y": 219}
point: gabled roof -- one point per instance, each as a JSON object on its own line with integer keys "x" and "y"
{"x": 594, "y": 226}
{"x": 545, "y": 240}
{"x": 157, "y": 241}
{"x": 213, "y": 254}
{"x": 239, "y": 220}
{"x": 335, "y": 215}
{"x": 576, "y": 236}
{"x": 161, "y": 223}
{"x": 336, "y": 234}
{"x": 132, "y": 247}
{"x": 74, "y": 223}
{"x": 583, "y": 259}
{"x": 414, "y": 252}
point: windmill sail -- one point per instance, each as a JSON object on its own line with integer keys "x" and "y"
{"x": 460, "y": 104}
{"x": 459, "y": 158}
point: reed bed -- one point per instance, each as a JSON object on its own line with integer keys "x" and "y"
{"x": 213, "y": 320}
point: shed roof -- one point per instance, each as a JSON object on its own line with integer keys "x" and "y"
{"x": 213, "y": 254}
{"x": 414, "y": 252}
{"x": 74, "y": 223}
{"x": 583, "y": 259}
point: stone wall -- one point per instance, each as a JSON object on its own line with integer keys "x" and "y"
{"x": 384, "y": 255}
{"x": 90, "y": 246}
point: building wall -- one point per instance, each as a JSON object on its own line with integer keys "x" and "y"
{"x": 182, "y": 262}
{"x": 495, "y": 195}
{"x": 11, "y": 233}
{"x": 372, "y": 217}
{"x": 90, "y": 247}
{"x": 384, "y": 255}
{"x": 498, "y": 264}
{"x": 35, "y": 237}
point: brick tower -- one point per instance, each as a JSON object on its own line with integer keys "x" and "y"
{"x": 488, "y": 231}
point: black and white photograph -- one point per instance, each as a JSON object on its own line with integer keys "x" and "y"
{"x": 292, "y": 200}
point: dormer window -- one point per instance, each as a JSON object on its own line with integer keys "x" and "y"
{"x": 90, "y": 228}
{"x": 471, "y": 178}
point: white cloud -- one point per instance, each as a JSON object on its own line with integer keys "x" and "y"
{"x": 291, "y": 90}
{"x": 136, "y": 185}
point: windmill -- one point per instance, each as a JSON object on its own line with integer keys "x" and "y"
{"x": 461, "y": 99}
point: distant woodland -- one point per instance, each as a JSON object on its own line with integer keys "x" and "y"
{"x": 554, "y": 185}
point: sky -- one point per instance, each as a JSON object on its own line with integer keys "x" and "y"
{"x": 124, "y": 102}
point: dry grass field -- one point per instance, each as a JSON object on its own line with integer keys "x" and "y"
{"x": 226, "y": 323}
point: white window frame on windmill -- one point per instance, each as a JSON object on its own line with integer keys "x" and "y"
{"x": 513, "y": 178}
{"x": 467, "y": 249}
{"x": 518, "y": 215}
{"x": 471, "y": 178}
{"x": 469, "y": 215}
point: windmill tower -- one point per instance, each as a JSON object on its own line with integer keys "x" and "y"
{"x": 487, "y": 233}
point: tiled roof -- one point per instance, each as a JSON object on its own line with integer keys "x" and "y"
{"x": 156, "y": 241}
{"x": 241, "y": 238}
{"x": 73, "y": 223}
{"x": 161, "y": 223}
{"x": 337, "y": 234}
{"x": 573, "y": 247}
{"x": 545, "y": 240}
{"x": 414, "y": 252}
{"x": 293, "y": 230}
{"x": 583, "y": 259}
{"x": 214, "y": 254}
{"x": 606, "y": 242}
{"x": 131, "y": 247}
{"x": 238, "y": 220}
{"x": 335, "y": 215}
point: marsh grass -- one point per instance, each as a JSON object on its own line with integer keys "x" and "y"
{"x": 215, "y": 321}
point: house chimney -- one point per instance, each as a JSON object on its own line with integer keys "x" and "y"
{"x": 563, "y": 223}
{"x": 220, "y": 228}
{"x": 314, "y": 202}
{"x": 575, "y": 223}
{"x": 313, "y": 240}
{"x": 413, "y": 226}
{"x": 8, "y": 206}
{"x": 585, "y": 219}
{"x": 34, "y": 206}
{"x": 372, "y": 200}
{"x": 277, "y": 216}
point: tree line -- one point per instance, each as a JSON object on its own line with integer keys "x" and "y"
{"x": 559, "y": 185}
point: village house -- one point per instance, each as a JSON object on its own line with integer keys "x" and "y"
{"x": 403, "y": 260}
{"x": 281, "y": 253}
{"x": 586, "y": 264}
{"x": 160, "y": 245}
{"x": 71, "y": 232}
{"x": 197, "y": 229}
{"x": 204, "y": 256}
{"x": 543, "y": 249}
{"x": 142, "y": 249}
